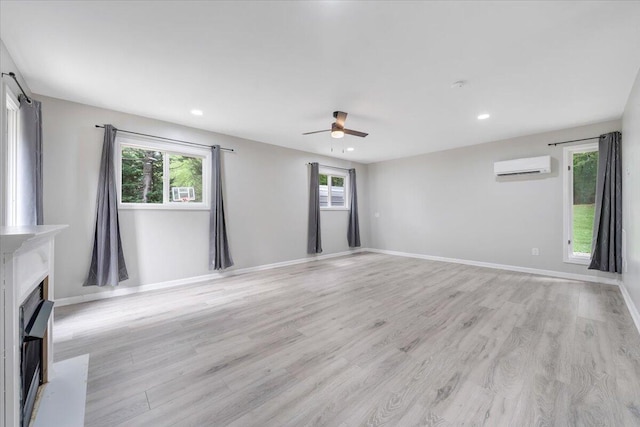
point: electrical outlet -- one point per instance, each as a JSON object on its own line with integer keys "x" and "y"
{"x": 535, "y": 251}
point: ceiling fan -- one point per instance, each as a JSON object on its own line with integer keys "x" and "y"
{"x": 337, "y": 128}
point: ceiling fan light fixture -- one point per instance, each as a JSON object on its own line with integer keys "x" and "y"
{"x": 337, "y": 133}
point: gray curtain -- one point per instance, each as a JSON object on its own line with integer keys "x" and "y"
{"x": 219, "y": 255}
{"x": 314, "y": 240}
{"x": 29, "y": 164}
{"x": 107, "y": 260}
{"x": 606, "y": 254}
{"x": 353, "y": 232}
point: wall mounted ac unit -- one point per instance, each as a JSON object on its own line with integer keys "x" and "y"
{"x": 531, "y": 165}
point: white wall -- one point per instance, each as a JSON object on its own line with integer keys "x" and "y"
{"x": 266, "y": 202}
{"x": 7, "y": 65}
{"x": 631, "y": 192}
{"x": 450, "y": 204}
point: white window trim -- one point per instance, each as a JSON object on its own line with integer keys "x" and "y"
{"x": 12, "y": 126}
{"x": 568, "y": 255}
{"x": 169, "y": 148}
{"x": 342, "y": 174}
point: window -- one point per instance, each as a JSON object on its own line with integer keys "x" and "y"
{"x": 333, "y": 189}
{"x": 12, "y": 157}
{"x": 161, "y": 175}
{"x": 581, "y": 169}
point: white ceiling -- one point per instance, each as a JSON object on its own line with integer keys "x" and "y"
{"x": 269, "y": 71}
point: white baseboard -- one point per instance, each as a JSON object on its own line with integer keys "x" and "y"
{"x": 552, "y": 273}
{"x": 635, "y": 315}
{"x": 116, "y": 292}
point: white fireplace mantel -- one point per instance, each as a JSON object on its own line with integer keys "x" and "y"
{"x": 26, "y": 259}
{"x": 12, "y": 238}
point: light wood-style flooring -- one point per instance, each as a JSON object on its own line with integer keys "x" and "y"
{"x": 367, "y": 339}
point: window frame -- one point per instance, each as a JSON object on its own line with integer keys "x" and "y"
{"x": 12, "y": 105}
{"x": 568, "y": 254}
{"x": 339, "y": 173}
{"x": 167, "y": 148}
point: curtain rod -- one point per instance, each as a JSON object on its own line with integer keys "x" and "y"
{"x": 573, "y": 140}
{"x": 13, "y": 76}
{"x": 179, "y": 141}
{"x": 332, "y": 167}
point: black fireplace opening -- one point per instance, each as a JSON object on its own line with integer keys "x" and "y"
{"x": 34, "y": 317}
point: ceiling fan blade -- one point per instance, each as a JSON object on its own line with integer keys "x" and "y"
{"x": 340, "y": 117}
{"x": 317, "y": 131}
{"x": 355, "y": 133}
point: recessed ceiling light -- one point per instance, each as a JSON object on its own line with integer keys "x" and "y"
{"x": 350, "y": 149}
{"x": 484, "y": 116}
{"x": 197, "y": 112}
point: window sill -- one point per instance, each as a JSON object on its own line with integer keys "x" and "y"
{"x": 577, "y": 260}
{"x": 334, "y": 209}
{"x": 163, "y": 208}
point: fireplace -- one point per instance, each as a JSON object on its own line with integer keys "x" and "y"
{"x": 26, "y": 275}
{"x": 34, "y": 318}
